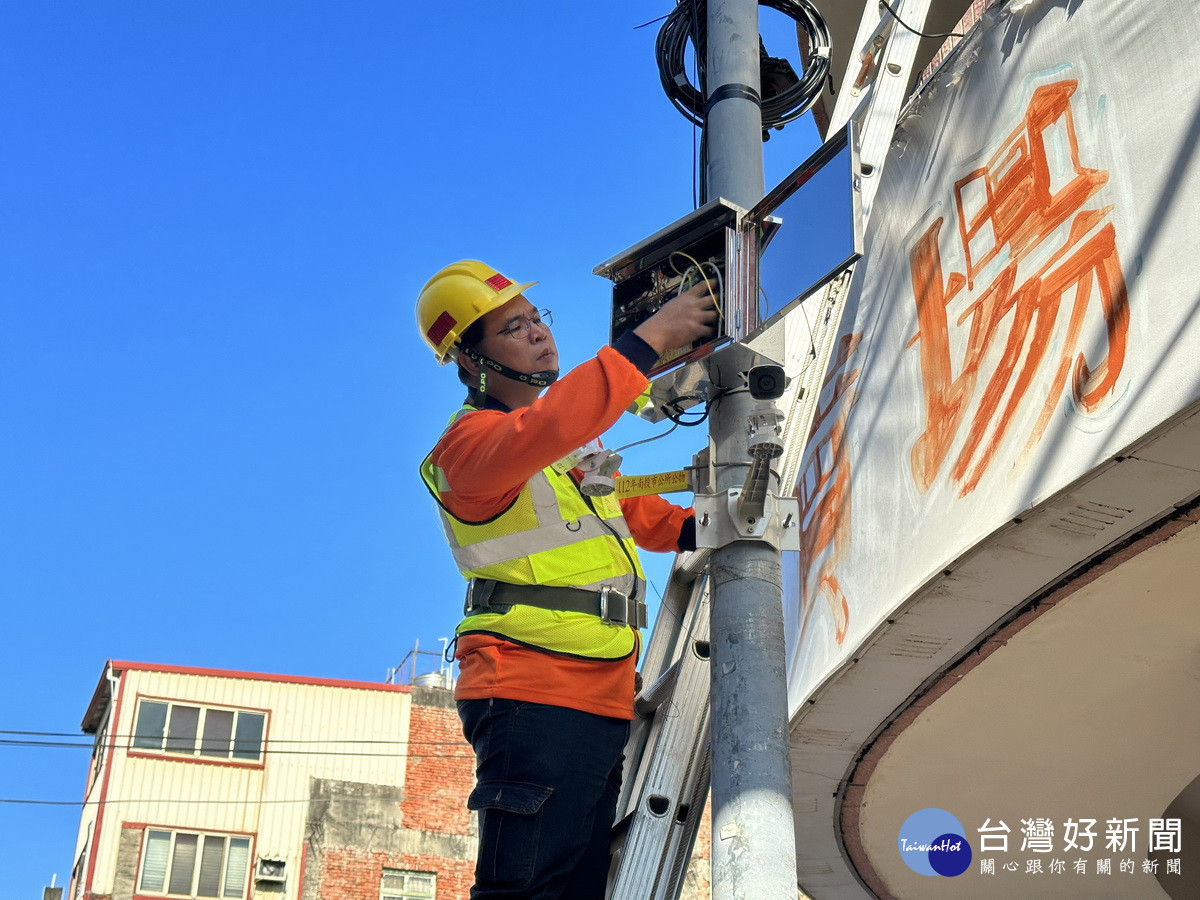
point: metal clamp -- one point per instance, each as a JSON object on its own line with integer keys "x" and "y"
{"x": 721, "y": 520}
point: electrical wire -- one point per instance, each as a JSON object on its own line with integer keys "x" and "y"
{"x": 673, "y": 412}
{"x": 651, "y": 22}
{"x": 812, "y": 346}
{"x": 109, "y": 801}
{"x": 270, "y": 744}
{"x": 166, "y": 754}
{"x": 657, "y": 437}
{"x": 451, "y": 750}
{"x": 895, "y": 15}
{"x": 682, "y": 26}
{"x": 699, "y": 267}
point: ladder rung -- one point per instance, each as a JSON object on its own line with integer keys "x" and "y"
{"x": 690, "y": 566}
{"x": 652, "y": 698}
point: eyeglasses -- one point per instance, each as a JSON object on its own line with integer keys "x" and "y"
{"x": 519, "y": 330}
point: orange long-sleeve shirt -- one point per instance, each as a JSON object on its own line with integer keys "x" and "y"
{"x": 486, "y": 458}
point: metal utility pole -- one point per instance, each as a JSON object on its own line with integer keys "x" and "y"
{"x": 753, "y": 848}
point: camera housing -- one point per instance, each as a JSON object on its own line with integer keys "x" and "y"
{"x": 766, "y": 382}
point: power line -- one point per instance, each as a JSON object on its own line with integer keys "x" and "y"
{"x": 465, "y": 751}
{"x": 17, "y": 801}
{"x": 896, "y": 16}
{"x": 125, "y": 742}
{"x": 126, "y": 737}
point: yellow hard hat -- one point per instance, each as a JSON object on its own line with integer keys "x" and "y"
{"x": 458, "y": 295}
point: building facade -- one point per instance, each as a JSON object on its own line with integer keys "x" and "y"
{"x": 207, "y": 783}
{"x": 210, "y": 783}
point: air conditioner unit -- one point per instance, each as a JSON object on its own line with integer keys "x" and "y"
{"x": 270, "y": 870}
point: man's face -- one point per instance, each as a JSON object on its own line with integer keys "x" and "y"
{"x": 533, "y": 352}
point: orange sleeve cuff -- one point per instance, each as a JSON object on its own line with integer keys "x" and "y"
{"x": 655, "y": 523}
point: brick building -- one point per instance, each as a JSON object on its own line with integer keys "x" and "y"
{"x": 214, "y": 783}
{"x": 359, "y": 849}
{"x": 211, "y": 783}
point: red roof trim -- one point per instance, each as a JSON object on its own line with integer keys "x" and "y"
{"x": 126, "y": 666}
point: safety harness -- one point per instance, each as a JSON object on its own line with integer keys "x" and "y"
{"x": 550, "y": 532}
{"x": 612, "y": 607}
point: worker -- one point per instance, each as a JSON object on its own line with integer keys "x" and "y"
{"x": 548, "y": 647}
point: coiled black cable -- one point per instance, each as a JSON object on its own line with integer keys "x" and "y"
{"x": 683, "y": 24}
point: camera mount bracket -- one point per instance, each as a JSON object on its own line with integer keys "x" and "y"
{"x": 754, "y": 511}
{"x": 733, "y": 515}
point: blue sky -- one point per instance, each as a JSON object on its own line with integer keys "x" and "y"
{"x": 214, "y": 221}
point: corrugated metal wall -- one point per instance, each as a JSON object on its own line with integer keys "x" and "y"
{"x": 312, "y": 731}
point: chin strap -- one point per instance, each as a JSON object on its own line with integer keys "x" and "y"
{"x": 537, "y": 379}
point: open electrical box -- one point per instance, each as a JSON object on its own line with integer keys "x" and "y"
{"x": 759, "y": 263}
{"x": 699, "y": 247}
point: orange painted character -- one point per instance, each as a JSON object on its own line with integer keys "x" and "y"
{"x": 1010, "y": 215}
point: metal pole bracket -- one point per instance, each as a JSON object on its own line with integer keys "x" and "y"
{"x": 721, "y": 520}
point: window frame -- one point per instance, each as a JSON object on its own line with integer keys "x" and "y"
{"x": 99, "y": 745}
{"x": 142, "y": 893}
{"x": 404, "y": 893}
{"x": 199, "y": 737}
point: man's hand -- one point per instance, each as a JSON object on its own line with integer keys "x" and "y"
{"x": 687, "y": 318}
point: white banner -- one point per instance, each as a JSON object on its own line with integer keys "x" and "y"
{"x": 1028, "y": 305}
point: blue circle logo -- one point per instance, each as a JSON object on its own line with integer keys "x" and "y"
{"x": 933, "y": 842}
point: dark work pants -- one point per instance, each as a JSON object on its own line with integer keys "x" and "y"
{"x": 547, "y": 780}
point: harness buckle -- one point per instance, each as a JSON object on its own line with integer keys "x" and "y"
{"x": 479, "y": 593}
{"x": 616, "y": 608}
{"x": 609, "y": 612}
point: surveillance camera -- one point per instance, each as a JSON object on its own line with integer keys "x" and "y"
{"x": 767, "y": 382}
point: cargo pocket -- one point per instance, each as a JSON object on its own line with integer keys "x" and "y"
{"x": 509, "y": 828}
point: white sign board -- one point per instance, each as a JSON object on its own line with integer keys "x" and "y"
{"x": 1028, "y": 305}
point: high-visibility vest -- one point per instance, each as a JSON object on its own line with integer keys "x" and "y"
{"x": 550, "y": 534}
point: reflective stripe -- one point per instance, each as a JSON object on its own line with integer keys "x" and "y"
{"x": 439, "y": 479}
{"x": 545, "y": 499}
{"x": 580, "y": 532}
{"x": 550, "y": 534}
{"x": 527, "y": 543}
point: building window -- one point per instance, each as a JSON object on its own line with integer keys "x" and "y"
{"x": 80, "y": 870}
{"x": 187, "y": 864}
{"x": 199, "y": 731}
{"x": 402, "y": 884}
{"x": 98, "y": 751}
